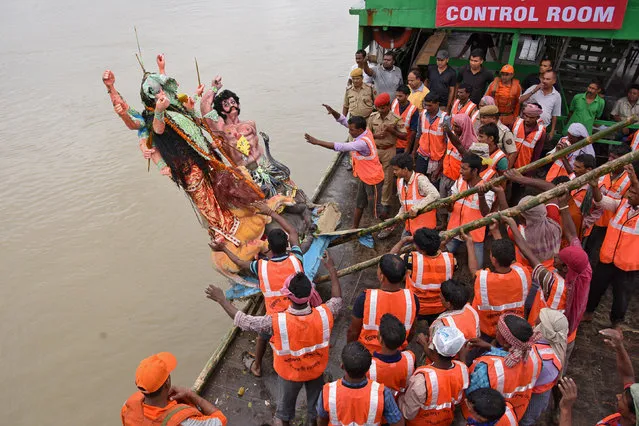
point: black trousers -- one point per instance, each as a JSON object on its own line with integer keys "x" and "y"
{"x": 623, "y": 283}
{"x": 593, "y": 244}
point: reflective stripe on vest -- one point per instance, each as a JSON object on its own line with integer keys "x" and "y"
{"x": 509, "y": 417}
{"x": 501, "y": 377}
{"x": 449, "y": 320}
{"x": 635, "y": 142}
{"x": 557, "y": 292}
{"x": 286, "y": 346}
{"x": 496, "y": 156}
{"x": 616, "y": 190}
{"x": 433, "y": 395}
{"x": 372, "y": 149}
{"x": 406, "y": 115}
{"x": 419, "y": 278}
{"x": 268, "y": 292}
{"x": 622, "y": 239}
{"x": 467, "y": 109}
{"x": 483, "y": 289}
{"x": 521, "y": 138}
{"x": 412, "y": 187}
{"x": 372, "y": 312}
{"x": 372, "y": 405}
{"x": 434, "y": 128}
{"x": 407, "y": 357}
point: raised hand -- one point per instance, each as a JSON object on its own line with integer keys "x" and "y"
{"x": 509, "y": 221}
{"x": 161, "y": 63}
{"x": 166, "y": 171}
{"x": 199, "y": 90}
{"x": 108, "y": 78}
{"x": 327, "y": 260}
{"x": 612, "y": 337}
{"x": 513, "y": 175}
{"x": 162, "y": 102}
{"x": 310, "y": 139}
{"x": 568, "y": 390}
{"x": 217, "y": 82}
{"x": 214, "y": 293}
{"x": 119, "y": 109}
{"x": 147, "y": 153}
{"x": 329, "y": 109}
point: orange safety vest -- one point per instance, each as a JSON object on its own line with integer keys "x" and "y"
{"x": 505, "y": 97}
{"x": 426, "y": 278}
{"x": 393, "y": 375}
{"x": 445, "y": 390}
{"x": 634, "y": 144}
{"x": 514, "y": 383}
{"x": 409, "y": 196}
{"x": 348, "y": 406}
{"x": 621, "y": 244}
{"x": 300, "y": 344}
{"x": 466, "y": 210}
{"x": 465, "y": 320}
{"x": 468, "y": 109}
{"x": 546, "y": 353}
{"x": 558, "y": 169}
{"x": 452, "y": 162}
{"x": 614, "y": 189}
{"x": 400, "y": 303}
{"x": 133, "y": 413}
{"x": 497, "y": 294}
{"x": 431, "y": 142}
{"x": 368, "y": 168}
{"x": 526, "y": 144}
{"x": 491, "y": 171}
{"x": 611, "y": 420}
{"x": 272, "y": 276}
{"x": 406, "y": 117}
{"x": 558, "y": 293}
{"x": 509, "y": 418}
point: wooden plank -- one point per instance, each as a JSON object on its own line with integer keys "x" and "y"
{"x": 430, "y": 48}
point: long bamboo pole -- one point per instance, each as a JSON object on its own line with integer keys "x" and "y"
{"x": 511, "y": 212}
{"x": 442, "y": 202}
{"x": 252, "y": 307}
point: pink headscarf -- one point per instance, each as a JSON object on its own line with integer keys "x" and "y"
{"x": 314, "y": 299}
{"x": 578, "y": 283}
{"x": 532, "y": 110}
{"x": 519, "y": 350}
{"x": 468, "y": 135}
{"x": 487, "y": 100}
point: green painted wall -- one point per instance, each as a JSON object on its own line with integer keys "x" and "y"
{"x": 421, "y": 14}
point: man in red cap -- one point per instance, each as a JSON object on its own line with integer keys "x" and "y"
{"x": 386, "y": 128}
{"x": 157, "y": 402}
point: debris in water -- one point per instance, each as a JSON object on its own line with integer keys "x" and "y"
{"x": 241, "y": 391}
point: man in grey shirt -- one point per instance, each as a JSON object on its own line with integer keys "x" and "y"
{"x": 387, "y": 77}
{"x": 548, "y": 98}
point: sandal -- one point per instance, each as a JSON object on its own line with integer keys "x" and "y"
{"x": 248, "y": 360}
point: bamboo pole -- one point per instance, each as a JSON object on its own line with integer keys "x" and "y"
{"x": 442, "y": 202}
{"x": 510, "y": 212}
{"x": 252, "y": 307}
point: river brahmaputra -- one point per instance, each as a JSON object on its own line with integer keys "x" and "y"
{"x": 102, "y": 263}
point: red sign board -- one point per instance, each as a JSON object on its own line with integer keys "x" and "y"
{"x": 585, "y": 14}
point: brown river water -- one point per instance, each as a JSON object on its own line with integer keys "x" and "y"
{"x": 102, "y": 263}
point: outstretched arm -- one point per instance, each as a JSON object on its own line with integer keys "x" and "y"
{"x": 570, "y": 230}
{"x": 614, "y": 339}
{"x": 401, "y": 243}
{"x": 120, "y": 106}
{"x": 473, "y": 265}
{"x": 540, "y": 184}
{"x": 452, "y": 137}
{"x": 293, "y": 237}
{"x": 243, "y": 264}
{"x": 520, "y": 242}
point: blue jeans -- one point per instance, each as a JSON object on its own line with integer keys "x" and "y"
{"x": 454, "y": 244}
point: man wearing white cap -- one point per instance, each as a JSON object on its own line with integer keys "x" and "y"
{"x": 445, "y": 378}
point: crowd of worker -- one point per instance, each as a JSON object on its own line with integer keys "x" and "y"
{"x": 493, "y": 351}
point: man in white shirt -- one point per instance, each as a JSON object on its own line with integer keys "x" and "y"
{"x": 548, "y": 97}
{"x": 360, "y": 59}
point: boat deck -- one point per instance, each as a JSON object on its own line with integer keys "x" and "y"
{"x": 592, "y": 364}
